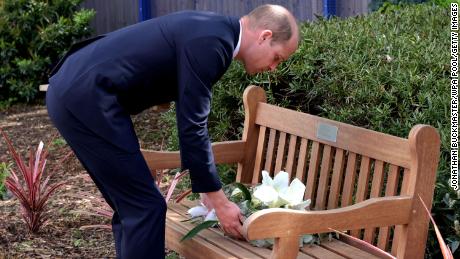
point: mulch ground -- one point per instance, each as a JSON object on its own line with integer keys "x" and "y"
{"x": 62, "y": 236}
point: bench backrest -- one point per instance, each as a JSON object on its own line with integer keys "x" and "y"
{"x": 342, "y": 165}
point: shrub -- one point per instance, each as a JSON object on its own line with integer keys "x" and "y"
{"x": 31, "y": 187}
{"x": 384, "y": 71}
{"x": 384, "y": 4}
{"x": 388, "y": 5}
{"x": 33, "y": 35}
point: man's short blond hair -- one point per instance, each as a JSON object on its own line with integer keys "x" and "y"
{"x": 272, "y": 17}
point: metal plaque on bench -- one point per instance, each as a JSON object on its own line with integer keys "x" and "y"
{"x": 327, "y": 132}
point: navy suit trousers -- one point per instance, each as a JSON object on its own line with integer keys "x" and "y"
{"x": 124, "y": 180}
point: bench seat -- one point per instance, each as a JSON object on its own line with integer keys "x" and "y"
{"x": 211, "y": 243}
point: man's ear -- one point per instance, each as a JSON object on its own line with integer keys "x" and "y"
{"x": 264, "y": 35}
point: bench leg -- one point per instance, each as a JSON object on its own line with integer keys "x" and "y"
{"x": 285, "y": 248}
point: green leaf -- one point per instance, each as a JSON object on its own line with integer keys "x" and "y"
{"x": 244, "y": 189}
{"x": 197, "y": 229}
{"x": 193, "y": 220}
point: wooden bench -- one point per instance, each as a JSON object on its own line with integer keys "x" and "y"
{"x": 358, "y": 180}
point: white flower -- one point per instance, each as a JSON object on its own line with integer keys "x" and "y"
{"x": 279, "y": 183}
{"x": 277, "y": 192}
{"x": 294, "y": 194}
{"x": 198, "y": 211}
{"x": 202, "y": 211}
{"x": 211, "y": 215}
{"x": 266, "y": 179}
{"x": 268, "y": 191}
{"x": 266, "y": 194}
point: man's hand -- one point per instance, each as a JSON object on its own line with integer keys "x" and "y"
{"x": 229, "y": 214}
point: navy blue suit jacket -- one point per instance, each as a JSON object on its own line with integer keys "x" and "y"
{"x": 177, "y": 57}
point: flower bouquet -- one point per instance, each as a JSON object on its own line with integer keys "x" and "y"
{"x": 271, "y": 193}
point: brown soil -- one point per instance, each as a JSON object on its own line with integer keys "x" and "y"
{"x": 61, "y": 237}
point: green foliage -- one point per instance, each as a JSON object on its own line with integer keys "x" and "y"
{"x": 4, "y": 169}
{"x": 382, "y": 5}
{"x": 172, "y": 255}
{"x": 198, "y": 228}
{"x": 445, "y": 3}
{"x": 59, "y": 142}
{"x": 446, "y": 213}
{"x": 34, "y": 34}
{"x": 391, "y": 5}
{"x": 384, "y": 71}
{"x": 245, "y": 191}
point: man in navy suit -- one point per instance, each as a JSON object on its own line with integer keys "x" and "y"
{"x": 177, "y": 57}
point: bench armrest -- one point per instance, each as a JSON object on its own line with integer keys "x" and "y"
{"x": 226, "y": 152}
{"x": 375, "y": 212}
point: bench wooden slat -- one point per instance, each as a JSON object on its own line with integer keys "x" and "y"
{"x": 280, "y": 152}
{"x": 323, "y": 183}
{"x": 405, "y": 182}
{"x": 320, "y": 252}
{"x": 349, "y": 183}
{"x": 336, "y": 181}
{"x": 377, "y": 145}
{"x": 376, "y": 189}
{"x": 363, "y": 181}
{"x": 262, "y": 252}
{"x": 377, "y": 179}
{"x": 359, "y": 245}
{"x": 312, "y": 171}
{"x": 291, "y": 154}
{"x": 301, "y": 164}
{"x": 390, "y": 190}
{"x": 288, "y": 247}
{"x": 347, "y": 250}
{"x": 363, "y": 184}
{"x": 259, "y": 155}
{"x": 195, "y": 247}
{"x": 269, "y": 156}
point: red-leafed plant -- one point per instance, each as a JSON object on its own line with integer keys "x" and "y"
{"x": 33, "y": 190}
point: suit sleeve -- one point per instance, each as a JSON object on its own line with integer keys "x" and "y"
{"x": 201, "y": 63}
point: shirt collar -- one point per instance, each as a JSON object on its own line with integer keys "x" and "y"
{"x": 237, "y": 48}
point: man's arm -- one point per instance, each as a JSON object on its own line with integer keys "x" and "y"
{"x": 201, "y": 63}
